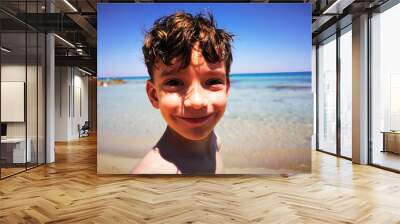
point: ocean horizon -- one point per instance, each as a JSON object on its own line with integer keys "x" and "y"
{"x": 145, "y": 77}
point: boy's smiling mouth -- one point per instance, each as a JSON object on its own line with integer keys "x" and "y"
{"x": 196, "y": 120}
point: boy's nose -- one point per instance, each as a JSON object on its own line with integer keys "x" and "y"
{"x": 195, "y": 98}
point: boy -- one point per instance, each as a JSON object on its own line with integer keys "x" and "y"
{"x": 188, "y": 59}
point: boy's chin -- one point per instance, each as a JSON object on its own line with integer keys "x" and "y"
{"x": 195, "y": 135}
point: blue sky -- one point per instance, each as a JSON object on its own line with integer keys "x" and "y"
{"x": 268, "y": 37}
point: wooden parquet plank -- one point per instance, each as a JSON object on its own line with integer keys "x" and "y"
{"x": 70, "y": 191}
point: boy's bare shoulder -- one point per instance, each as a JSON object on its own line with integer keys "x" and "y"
{"x": 218, "y": 142}
{"x": 154, "y": 163}
{"x": 218, "y": 159}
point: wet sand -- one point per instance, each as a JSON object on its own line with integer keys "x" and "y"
{"x": 247, "y": 147}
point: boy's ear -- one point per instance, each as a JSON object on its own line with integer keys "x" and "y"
{"x": 152, "y": 94}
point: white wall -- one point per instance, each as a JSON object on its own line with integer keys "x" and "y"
{"x": 12, "y": 101}
{"x": 33, "y": 126}
{"x": 79, "y": 115}
{"x": 71, "y": 87}
{"x": 62, "y": 82}
{"x": 13, "y": 72}
{"x": 16, "y": 72}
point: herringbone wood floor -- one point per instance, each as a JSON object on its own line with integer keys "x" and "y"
{"x": 70, "y": 191}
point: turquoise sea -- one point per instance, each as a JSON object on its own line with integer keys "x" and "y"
{"x": 267, "y": 125}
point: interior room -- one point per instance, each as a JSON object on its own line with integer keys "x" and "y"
{"x": 385, "y": 90}
{"x": 22, "y": 103}
{"x": 50, "y": 129}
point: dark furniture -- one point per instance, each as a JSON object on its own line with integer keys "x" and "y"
{"x": 3, "y": 129}
{"x": 391, "y": 141}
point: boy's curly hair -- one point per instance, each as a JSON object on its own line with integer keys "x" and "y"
{"x": 174, "y": 36}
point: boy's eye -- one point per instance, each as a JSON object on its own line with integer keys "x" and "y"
{"x": 214, "y": 82}
{"x": 174, "y": 82}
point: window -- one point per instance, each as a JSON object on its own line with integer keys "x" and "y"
{"x": 346, "y": 92}
{"x": 327, "y": 95}
{"x": 385, "y": 88}
{"x": 22, "y": 68}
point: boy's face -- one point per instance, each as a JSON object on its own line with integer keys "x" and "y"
{"x": 191, "y": 100}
